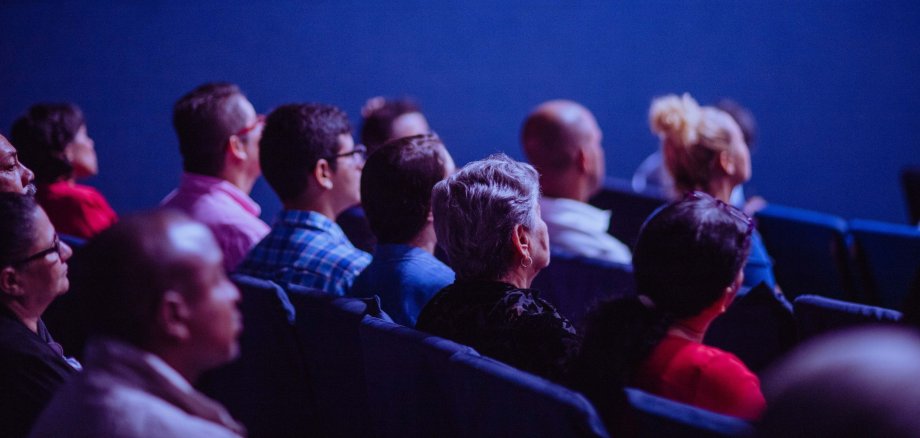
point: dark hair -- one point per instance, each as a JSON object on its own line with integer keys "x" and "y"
{"x": 204, "y": 119}
{"x": 378, "y": 122}
{"x": 124, "y": 272}
{"x": 396, "y": 186}
{"x": 42, "y": 134}
{"x": 295, "y": 137}
{"x": 17, "y": 226}
{"x": 687, "y": 253}
{"x": 743, "y": 117}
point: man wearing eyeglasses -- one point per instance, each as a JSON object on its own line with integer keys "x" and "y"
{"x": 219, "y": 133}
{"x": 310, "y": 160}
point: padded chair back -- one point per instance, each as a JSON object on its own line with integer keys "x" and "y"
{"x": 629, "y": 208}
{"x": 888, "y": 255}
{"x": 328, "y": 328}
{"x": 660, "y": 417}
{"x": 494, "y": 399}
{"x": 407, "y": 388}
{"x": 910, "y": 181}
{"x": 809, "y": 249}
{"x": 267, "y": 387}
{"x": 575, "y": 284}
{"x": 815, "y": 315}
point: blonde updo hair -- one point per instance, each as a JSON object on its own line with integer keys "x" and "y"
{"x": 691, "y": 139}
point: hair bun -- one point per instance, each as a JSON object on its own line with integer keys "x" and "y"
{"x": 676, "y": 119}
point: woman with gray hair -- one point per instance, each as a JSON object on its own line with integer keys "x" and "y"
{"x": 487, "y": 220}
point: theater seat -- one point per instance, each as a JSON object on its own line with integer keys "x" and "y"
{"x": 809, "y": 251}
{"x": 910, "y": 182}
{"x": 266, "y": 388}
{"x": 574, "y": 284}
{"x": 888, "y": 256}
{"x": 407, "y": 389}
{"x": 660, "y": 417}
{"x": 493, "y": 399}
{"x": 629, "y": 209}
{"x": 815, "y": 315}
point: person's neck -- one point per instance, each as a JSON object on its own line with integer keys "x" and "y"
{"x": 425, "y": 239}
{"x": 518, "y": 277}
{"x": 239, "y": 179}
{"x": 24, "y": 314}
{"x": 567, "y": 185}
{"x": 693, "y": 328}
{"x": 317, "y": 204}
{"x": 721, "y": 189}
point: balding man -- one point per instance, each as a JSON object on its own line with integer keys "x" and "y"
{"x": 14, "y": 176}
{"x": 161, "y": 311}
{"x": 562, "y": 140}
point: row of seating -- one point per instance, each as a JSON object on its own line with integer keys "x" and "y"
{"x": 313, "y": 364}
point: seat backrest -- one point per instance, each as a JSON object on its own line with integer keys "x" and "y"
{"x": 328, "y": 328}
{"x": 629, "y": 209}
{"x": 407, "y": 388}
{"x": 888, "y": 255}
{"x": 267, "y": 387}
{"x": 815, "y": 315}
{"x": 494, "y": 399}
{"x": 660, "y": 417}
{"x": 574, "y": 284}
{"x": 809, "y": 250}
{"x": 910, "y": 182}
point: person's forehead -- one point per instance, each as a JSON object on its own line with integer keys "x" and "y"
{"x": 6, "y": 149}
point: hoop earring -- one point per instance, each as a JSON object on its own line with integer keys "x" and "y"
{"x": 529, "y": 262}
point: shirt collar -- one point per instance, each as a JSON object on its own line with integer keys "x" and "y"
{"x": 194, "y": 182}
{"x": 309, "y": 219}
{"x": 569, "y": 211}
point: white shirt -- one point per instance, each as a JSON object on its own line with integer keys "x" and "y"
{"x": 580, "y": 229}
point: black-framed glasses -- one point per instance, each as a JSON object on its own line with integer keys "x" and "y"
{"x": 55, "y": 247}
{"x": 360, "y": 151}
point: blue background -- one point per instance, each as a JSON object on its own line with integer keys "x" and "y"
{"x": 833, "y": 84}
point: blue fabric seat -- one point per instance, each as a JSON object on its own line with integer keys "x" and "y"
{"x": 910, "y": 182}
{"x": 494, "y": 399}
{"x": 574, "y": 284}
{"x": 629, "y": 209}
{"x": 267, "y": 387}
{"x": 809, "y": 249}
{"x": 660, "y": 417}
{"x": 408, "y": 394}
{"x": 815, "y": 315}
{"x": 888, "y": 256}
{"x": 328, "y": 328}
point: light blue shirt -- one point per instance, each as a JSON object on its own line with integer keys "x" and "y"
{"x": 405, "y": 277}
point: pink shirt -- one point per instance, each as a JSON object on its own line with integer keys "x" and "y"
{"x": 231, "y": 215}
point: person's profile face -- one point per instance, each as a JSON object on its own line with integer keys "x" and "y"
{"x": 14, "y": 176}
{"x": 540, "y": 237}
{"x": 81, "y": 153}
{"x": 43, "y": 273}
{"x": 739, "y": 149}
{"x": 250, "y": 134}
{"x": 346, "y": 181}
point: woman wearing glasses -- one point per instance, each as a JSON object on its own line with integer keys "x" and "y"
{"x": 688, "y": 267}
{"x": 33, "y": 272}
{"x": 53, "y": 142}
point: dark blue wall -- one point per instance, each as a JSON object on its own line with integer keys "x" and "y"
{"x": 835, "y": 85}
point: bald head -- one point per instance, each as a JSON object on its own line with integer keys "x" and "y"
{"x": 562, "y": 140}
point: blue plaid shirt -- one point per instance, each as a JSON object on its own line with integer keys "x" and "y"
{"x": 307, "y": 249}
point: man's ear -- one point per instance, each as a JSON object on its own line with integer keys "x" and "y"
{"x": 322, "y": 173}
{"x": 173, "y": 314}
{"x": 727, "y": 162}
{"x": 9, "y": 282}
{"x": 521, "y": 240}
{"x": 581, "y": 159}
{"x": 237, "y": 148}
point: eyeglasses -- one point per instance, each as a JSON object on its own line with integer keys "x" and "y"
{"x": 55, "y": 247}
{"x": 360, "y": 151}
{"x": 260, "y": 120}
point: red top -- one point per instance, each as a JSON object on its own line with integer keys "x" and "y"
{"x": 702, "y": 376}
{"x": 75, "y": 209}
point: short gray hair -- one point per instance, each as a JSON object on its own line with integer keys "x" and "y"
{"x": 475, "y": 212}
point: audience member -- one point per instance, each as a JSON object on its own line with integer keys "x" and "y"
{"x": 704, "y": 149}
{"x": 52, "y": 140}
{"x": 384, "y": 120}
{"x": 311, "y": 161}
{"x": 856, "y": 383}
{"x": 487, "y": 218}
{"x": 162, "y": 311}
{"x": 33, "y": 271}
{"x": 15, "y": 177}
{"x": 562, "y": 140}
{"x": 688, "y": 267}
{"x": 396, "y": 194}
{"x": 219, "y": 134}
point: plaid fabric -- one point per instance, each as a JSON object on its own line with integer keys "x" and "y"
{"x": 307, "y": 249}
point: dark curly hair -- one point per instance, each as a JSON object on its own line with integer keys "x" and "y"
{"x": 42, "y": 134}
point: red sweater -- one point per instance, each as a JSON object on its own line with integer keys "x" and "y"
{"x": 702, "y": 376}
{"x": 76, "y": 210}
